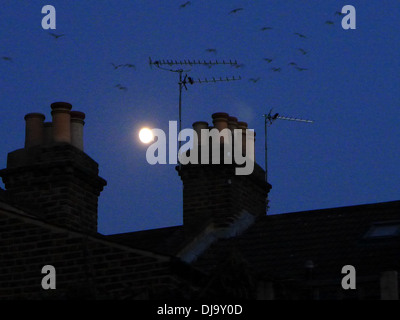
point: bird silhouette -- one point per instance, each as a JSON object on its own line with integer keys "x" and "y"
{"x": 303, "y": 51}
{"x": 268, "y": 60}
{"x": 129, "y": 65}
{"x": 211, "y": 50}
{"x": 235, "y": 10}
{"x": 254, "y": 79}
{"x": 120, "y": 87}
{"x": 56, "y": 36}
{"x": 185, "y": 4}
{"x": 7, "y": 59}
{"x": 329, "y": 22}
{"x": 266, "y": 28}
{"x": 292, "y": 63}
{"x": 300, "y": 35}
{"x": 241, "y": 65}
{"x": 276, "y": 69}
{"x": 116, "y": 66}
{"x": 301, "y": 69}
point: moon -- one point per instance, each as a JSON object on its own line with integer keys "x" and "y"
{"x": 146, "y": 135}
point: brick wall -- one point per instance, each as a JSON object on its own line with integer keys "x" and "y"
{"x": 60, "y": 183}
{"x": 213, "y": 193}
{"x": 86, "y": 266}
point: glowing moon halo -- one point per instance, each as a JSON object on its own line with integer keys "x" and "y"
{"x": 146, "y": 135}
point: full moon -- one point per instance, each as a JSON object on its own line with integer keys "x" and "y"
{"x": 146, "y": 135}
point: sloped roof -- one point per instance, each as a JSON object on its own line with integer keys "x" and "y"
{"x": 163, "y": 240}
{"x": 278, "y": 246}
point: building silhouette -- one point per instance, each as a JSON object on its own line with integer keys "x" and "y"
{"x": 227, "y": 247}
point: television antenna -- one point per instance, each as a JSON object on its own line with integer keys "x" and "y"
{"x": 268, "y": 120}
{"x": 177, "y": 67}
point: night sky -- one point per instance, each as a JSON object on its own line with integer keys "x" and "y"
{"x": 348, "y": 156}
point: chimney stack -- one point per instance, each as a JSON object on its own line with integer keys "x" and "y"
{"x": 214, "y": 194}
{"x": 51, "y": 176}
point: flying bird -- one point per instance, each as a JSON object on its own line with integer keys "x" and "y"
{"x": 276, "y": 69}
{"x": 185, "y": 4}
{"x": 211, "y": 50}
{"x": 268, "y": 60}
{"x": 129, "y": 65}
{"x": 266, "y": 28}
{"x": 116, "y": 66}
{"x": 301, "y": 69}
{"x": 292, "y": 63}
{"x": 300, "y": 35}
{"x": 241, "y": 65}
{"x": 303, "y": 51}
{"x": 56, "y": 36}
{"x": 329, "y": 22}
{"x": 254, "y": 79}
{"x": 121, "y": 87}
{"x": 7, "y": 59}
{"x": 235, "y": 10}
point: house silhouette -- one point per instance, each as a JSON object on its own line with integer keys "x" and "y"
{"x": 227, "y": 248}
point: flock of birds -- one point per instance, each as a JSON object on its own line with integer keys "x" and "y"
{"x": 57, "y": 36}
{"x": 54, "y": 35}
{"x": 263, "y": 29}
{"x": 268, "y": 60}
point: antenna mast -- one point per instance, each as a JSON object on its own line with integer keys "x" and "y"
{"x": 269, "y": 119}
{"x": 183, "y": 81}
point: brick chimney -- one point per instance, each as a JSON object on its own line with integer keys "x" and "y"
{"x": 213, "y": 194}
{"x": 51, "y": 176}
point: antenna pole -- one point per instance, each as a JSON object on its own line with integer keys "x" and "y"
{"x": 180, "y": 110}
{"x": 266, "y": 148}
{"x": 271, "y": 118}
{"x": 183, "y": 81}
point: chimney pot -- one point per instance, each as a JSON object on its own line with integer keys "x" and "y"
{"x": 198, "y": 126}
{"x": 77, "y": 124}
{"x": 34, "y": 132}
{"x": 220, "y": 115}
{"x": 220, "y": 120}
{"x": 61, "y": 121}
{"x": 243, "y": 126}
{"x": 232, "y": 123}
{"x": 61, "y": 105}
{"x": 48, "y": 133}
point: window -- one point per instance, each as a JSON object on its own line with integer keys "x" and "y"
{"x": 385, "y": 229}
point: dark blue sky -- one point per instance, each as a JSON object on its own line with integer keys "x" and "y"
{"x": 348, "y": 156}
